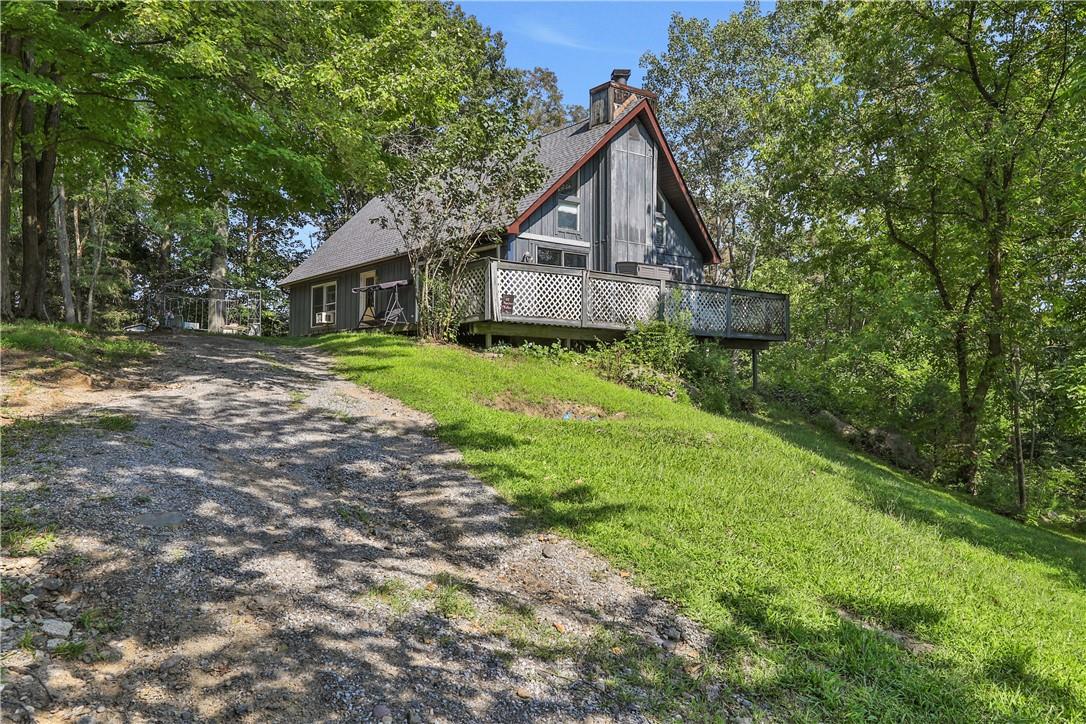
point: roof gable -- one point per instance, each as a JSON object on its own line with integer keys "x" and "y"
{"x": 562, "y": 152}
{"x": 671, "y": 180}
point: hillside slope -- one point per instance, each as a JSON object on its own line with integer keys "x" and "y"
{"x": 836, "y": 588}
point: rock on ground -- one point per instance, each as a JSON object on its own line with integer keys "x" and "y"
{"x": 271, "y": 543}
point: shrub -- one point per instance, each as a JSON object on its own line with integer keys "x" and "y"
{"x": 652, "y": 358}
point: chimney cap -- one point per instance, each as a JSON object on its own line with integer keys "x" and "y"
{"x": 620, "y": 75}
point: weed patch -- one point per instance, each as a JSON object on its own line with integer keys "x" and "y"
{"x": 116, "y": 423}
{"x": 21, "y": 535}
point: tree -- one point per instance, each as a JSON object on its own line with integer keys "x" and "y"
{"x": 949, "y": 116}
{"x": 459, "y": 187}
{"x": 270, "y": 107}
{"x": 543, "y": 103}
{"x": 715, "y": 84}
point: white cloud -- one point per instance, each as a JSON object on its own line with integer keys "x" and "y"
{"x": 542, "y": 33}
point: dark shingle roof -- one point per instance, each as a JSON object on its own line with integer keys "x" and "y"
{"x": 362, "y": 240}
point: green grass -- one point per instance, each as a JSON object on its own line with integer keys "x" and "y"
{"x": 70, "y": 650}
{"x": 96, "y": 620}
{"x": 83, "y": 348}
{"x": 763, "y": 530}
{"x": 116, "y": 423}
{"x": 21, "y": 535}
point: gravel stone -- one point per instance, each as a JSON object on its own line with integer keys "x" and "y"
{"x": 274, "y": 500}
{"x": 56, "y": 628}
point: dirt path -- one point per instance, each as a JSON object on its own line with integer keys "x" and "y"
{"x": 250, "y": 538}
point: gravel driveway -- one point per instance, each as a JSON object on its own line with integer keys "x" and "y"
{"x": 249, "y": 538}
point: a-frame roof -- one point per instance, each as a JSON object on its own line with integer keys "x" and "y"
{"x": 672, "y": 183}
{"x": 361, "y": 240}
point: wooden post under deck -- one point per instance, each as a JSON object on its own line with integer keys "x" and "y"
{"x": 754, "y": 369}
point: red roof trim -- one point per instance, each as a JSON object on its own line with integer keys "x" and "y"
{"x": 642, "y": 108}
{"x": 714, "y": 254}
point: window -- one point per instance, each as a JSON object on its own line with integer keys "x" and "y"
{"x": 569, "y": 207}
{"x": 676, "y": 272}
{"x": 570, "y": 187}
{"x": 557, "y": 257}
{"x": 324, "y": 304}
{"x": 660, "y": 223}
{"x": 553, "y": 257}
{"x": 569, "y": 216}
{"x": 575, "y": 261}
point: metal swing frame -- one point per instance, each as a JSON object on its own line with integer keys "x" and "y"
{"x": 394, "y": 312}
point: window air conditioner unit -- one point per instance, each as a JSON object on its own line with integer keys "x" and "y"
{"x": 326, "y": 317}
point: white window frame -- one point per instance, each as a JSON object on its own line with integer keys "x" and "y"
{"x": 572, "y": 202}
{"x": 681, "y": 277}
{"x": 324, "y": 305}
{"x": 571, "y": 207}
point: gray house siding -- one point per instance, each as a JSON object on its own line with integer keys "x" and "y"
{"x": 633, "y": 195}
{"x": 347, "y": 302}
{"x": 676, "y": 248}
{"x": 617, "y": 191}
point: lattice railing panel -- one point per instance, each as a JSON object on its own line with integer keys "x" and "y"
{"x": 471, "y": 295}
{"x": 757, "y": 314}
{"x": 540, "y": 294}
{"x": 708, "y": 308}
{"x": 620, "y": 302}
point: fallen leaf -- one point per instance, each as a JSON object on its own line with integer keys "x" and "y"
{"x": 559, "y": 628}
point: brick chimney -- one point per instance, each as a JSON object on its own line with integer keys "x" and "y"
{"x": 607, "y": 100}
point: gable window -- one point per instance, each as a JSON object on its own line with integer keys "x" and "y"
{"x": 568, "y": 209}
{"x": 324, "y": 304}
{"x": 569, "y": 216}
{"x": 557, "y": 257}
{"x": 570, "y": 187}
{"x": 660, "y": 221}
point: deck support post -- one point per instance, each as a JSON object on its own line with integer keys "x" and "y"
{"x": 754, "y": 369}
{"x": 488, "y": 340}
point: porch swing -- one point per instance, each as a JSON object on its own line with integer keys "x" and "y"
{"x": 393, "y": 311}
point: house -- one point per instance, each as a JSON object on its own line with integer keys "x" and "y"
{"x": 612, "y": 237}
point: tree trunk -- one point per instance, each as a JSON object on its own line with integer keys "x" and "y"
{"x": 77, "y": 277}
{"x": 46, "y": 166}
{"x": 63, "y": 255}
{"x": 9, "y": 114}
{"x": 216, "y": 295}
{"x": 1016, "y": 417}
{"x": 94, "y": 233}
{"x": 31, "y": 273}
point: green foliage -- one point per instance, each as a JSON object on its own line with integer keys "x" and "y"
{"x": 116, "y": 423}
{"x": 97, "y": 621}
{"x": 22, "y": 535}
{"x": 72, "y": 343}
{"x": 763, "y": 529}
{"x": 905, "y": 173}
{"x": 652, "y": 358}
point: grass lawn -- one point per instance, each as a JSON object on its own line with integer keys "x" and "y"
{"x": 70, "y": 344}
{"x": 836, "y": 588}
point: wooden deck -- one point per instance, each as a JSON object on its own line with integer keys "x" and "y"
{"x": 501, "y": 296}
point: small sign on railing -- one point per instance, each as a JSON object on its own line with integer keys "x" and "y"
{"x": 507, "y": 303}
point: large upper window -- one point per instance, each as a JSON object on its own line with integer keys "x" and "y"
{"x": 569, "y": 216}
{"x": 324, "y": 304}
{"x": 568, "y": 211}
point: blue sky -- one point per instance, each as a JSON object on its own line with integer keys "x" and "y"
{"x": 583, "y": 41}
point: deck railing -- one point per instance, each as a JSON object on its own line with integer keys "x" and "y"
{"x": 504, "y": 291}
